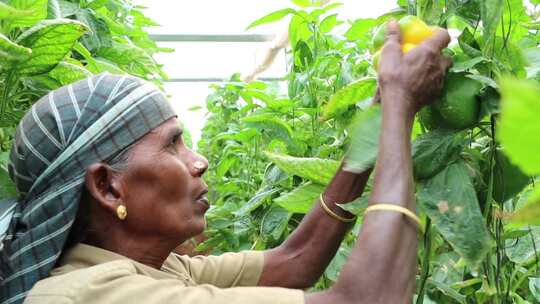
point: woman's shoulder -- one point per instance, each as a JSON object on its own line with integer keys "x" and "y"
{"x": 66, "y": 283}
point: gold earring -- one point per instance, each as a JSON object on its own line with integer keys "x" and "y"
{"x": 121, "y": 212}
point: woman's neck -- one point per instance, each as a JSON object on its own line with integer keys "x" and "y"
{"x": 149, "y": 251}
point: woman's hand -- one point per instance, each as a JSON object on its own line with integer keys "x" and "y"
{"x": 417, "y": 75}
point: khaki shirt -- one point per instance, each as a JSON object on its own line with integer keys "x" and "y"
{"x": 89, "y": 275}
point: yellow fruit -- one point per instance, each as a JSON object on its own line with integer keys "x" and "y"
{"x": 407, "y": 47}
{"x": 414, "y": 30}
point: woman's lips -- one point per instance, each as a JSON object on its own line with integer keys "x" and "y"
{"x": 204, "y": 200}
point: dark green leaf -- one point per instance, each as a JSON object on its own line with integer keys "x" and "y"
{"x": 274, "y": 222}
{"x": 50, "y": 41}
{"x": 433, "y": 151}
{"x": 7, "y": 187}
{"x": 534, "y": 287}
{"x": 524, "y": 249}
{"x": 449, "y": 199}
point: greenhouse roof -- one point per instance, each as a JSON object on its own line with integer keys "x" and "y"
{"x": 211, "y": 43}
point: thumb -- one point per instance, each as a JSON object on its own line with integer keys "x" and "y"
{"x": 391, "y": 52}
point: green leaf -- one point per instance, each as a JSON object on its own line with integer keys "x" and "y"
{"x": 7, "y": 187}
{"x": 270, "y": 124}
{"x": 350, "y": 95}
{"x": 361, "y": 30}
{"x": 317, "y": 170}
{"x": 37, "y": 7}
{"x": 301, "y": 199}
{"x": 256, "y": 201}
{"x": 328, "y": 23}
{"x": 526, "y": 248}
{"x": 67, "y": 73}
{"x": 99, "y": 35}
{"x": 491, "y": 14}
{"x": 274, "y": 222}
{"x": 530, "y": 214}
{"x": 272, "y": 17}
{"x": 8, "y": 12}
{"x": 11, "y": 53}
{"x": 302, "y": 3}
{"x": 50, "y": 41}
{"x": 534, "y": 287}
{"x": 433, "y": 151}
{"x": 518, "y": 125}
{"x": 449, "y": 199}
{"x": 365, "y": 132}
{"x": 298, "y": 29}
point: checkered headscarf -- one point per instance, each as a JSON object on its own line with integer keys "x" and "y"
{"x": 86, "y": 122}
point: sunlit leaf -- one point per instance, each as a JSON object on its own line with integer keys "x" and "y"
{"x": 364, "y": 134}
{"x": 519, "y": 125}
{"x": 314, "y": 169}
{"x": 350, "y": 95}
{"x": 272, "y": 17}
{"x": 11, "y": 53}
{"x": 328, "y": 23}
{"x": 67, "y": 73}
{"x": 530, "y": 214}
{"x": 50, "y": 41}
{"x": 37, "y": 7}
{"x": 361, "y": 29}
{"x": 301, "y": 199}
{"x": 449, "y": 199}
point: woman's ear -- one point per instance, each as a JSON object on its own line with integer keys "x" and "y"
{"x": 102, "y": 184}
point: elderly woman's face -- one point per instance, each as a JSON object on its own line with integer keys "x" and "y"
{"x": 164, "y": 192}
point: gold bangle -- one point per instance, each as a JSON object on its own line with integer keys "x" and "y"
{"x": 389, "y": 207}
{"x": 333, "y": 214}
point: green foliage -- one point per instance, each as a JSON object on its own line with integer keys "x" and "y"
{"x": 275, "y": 152}
{"x": 45, "y": 44}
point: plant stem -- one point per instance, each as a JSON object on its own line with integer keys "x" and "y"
{"x": 425, "y": 262}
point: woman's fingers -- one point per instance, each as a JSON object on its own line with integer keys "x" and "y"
{"x": 391, "y": 52}
{"x": 438, "y": 41}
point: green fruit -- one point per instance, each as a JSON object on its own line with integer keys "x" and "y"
{"x": 430, "y": 118}
{"x": 459, "y": 106}
{"x": 508, "y": 179}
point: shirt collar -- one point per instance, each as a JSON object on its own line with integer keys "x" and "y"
{"x": 84, "y": 256}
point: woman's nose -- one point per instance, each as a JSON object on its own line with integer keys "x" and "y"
{"x": 200, "y": 165}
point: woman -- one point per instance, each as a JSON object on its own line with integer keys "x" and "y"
{"x": 108, "y": 190}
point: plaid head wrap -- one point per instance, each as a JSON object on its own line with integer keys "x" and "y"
{"x": 86, "y": 122}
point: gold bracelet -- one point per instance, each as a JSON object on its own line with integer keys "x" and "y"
{"x": 389, "y": 207}
{"x": 333, "y": 214}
